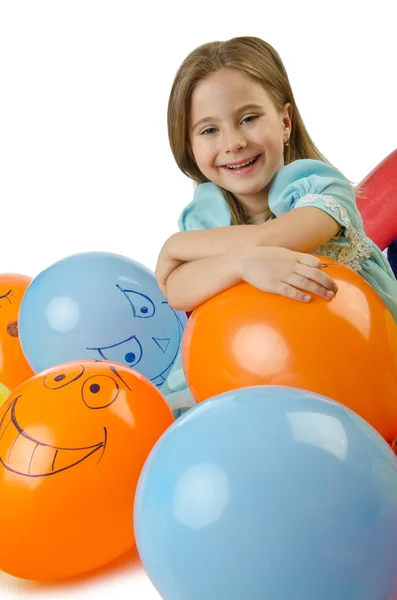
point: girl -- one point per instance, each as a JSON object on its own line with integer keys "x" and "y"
{"x": 266, "y": 198}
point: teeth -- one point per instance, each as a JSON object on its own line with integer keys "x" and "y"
{"x": 20, "y": 453}
{"x": 24, "y": 455}
{"x": 243, "y": 165}
{"x": 41, "y": 461}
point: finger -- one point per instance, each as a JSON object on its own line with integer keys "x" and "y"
{"x": 289, "y": 291}
{"x": 318, "y": 276}
{"x": 309, "y": 260}
{"x": 308, "y": 285}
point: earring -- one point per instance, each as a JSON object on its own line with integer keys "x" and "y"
{"x": 286, "y": 144}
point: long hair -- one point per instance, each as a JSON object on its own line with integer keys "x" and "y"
{"x": 257, "y": 59}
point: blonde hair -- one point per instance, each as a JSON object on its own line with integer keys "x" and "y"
{"x": 257, "y": 59}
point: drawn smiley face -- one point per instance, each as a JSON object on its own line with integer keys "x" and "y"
{"x": 154, "y": 344}
{"x": 73, "y": 440}
{"x": 99, "y": 305}
{"x": 24, "y": 454}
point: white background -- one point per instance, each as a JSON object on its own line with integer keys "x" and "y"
{"x": 84, "y": 156}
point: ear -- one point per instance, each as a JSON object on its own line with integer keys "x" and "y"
{"x": 286, "y": 117}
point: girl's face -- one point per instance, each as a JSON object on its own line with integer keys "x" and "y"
{"x": 237, "y": 136}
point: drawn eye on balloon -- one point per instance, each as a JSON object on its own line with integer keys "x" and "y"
{"x": 128, "y": 351}
{"x": 56, "y": 381}
{"x": 100, "y": 391}
{"x": 142, "y": 306}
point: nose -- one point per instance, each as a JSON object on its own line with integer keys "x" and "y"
{"x": 235, "y": 141}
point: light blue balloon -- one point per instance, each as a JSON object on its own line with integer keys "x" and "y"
{"x": 100, "y": 306}
{"x": 269, "y": 493}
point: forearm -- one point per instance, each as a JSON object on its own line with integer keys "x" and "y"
{"x": 209, "y": 243}
{"x": 194, "y": 282}
{"x": 301, "y": 230}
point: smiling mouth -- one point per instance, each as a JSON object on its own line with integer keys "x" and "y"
{"x": 242, "y": 164}
{"x": 24, "y": 455}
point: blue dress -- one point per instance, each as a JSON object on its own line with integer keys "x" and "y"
{"x": 302, "y": 183}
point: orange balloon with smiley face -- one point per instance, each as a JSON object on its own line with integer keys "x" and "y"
{"x": 73, "y": 441}
{"x": 14, "y": 368}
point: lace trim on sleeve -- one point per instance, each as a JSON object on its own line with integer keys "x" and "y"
{"x": 353, "y": 247}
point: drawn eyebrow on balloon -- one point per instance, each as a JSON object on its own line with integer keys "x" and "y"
{"x": 100, "y": 348}
{"x": 7, "y": 296}
{"x": 114, "y": 370}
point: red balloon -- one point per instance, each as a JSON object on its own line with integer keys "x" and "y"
{"x": 378, "y": 205}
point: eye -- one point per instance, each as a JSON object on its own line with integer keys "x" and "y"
{"x": 60, "y": 378}
{"x": 128, "y": 352}
{"x": 142, "y": 306}
{"x": 208, "y": 131}
{"x": 250, "y": 118}
{"x": 99, "y": 391}
{"x": 7, "y": 296}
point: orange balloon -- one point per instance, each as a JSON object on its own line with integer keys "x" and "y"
{"x": 344, "y": 348}
{"x": 73, "y": 441}
{"x": 14, "y": 368}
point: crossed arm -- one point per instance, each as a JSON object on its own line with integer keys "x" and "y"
{"x": 196, "y": 265}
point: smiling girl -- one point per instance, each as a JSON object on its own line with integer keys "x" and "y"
{"x": 266, "y": 199}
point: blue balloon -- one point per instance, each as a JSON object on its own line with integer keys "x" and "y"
{"x": 100, "y": 306}
{"x": 269, "y": 493}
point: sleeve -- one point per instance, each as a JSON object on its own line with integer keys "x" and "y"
{"x": 208, "y": 209}
{"x": 315, "y": 183}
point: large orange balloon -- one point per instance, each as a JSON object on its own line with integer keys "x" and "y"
{"x": 345, "y": 348}
{"x": 73, "y": 441}
{"x": 14, "y": 368}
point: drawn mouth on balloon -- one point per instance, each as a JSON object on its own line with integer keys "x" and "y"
{"x": 22, "y": 454}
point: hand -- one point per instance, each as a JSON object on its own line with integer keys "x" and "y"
{"x": 165, "y": 266}
{"x": 284, "y": 272}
